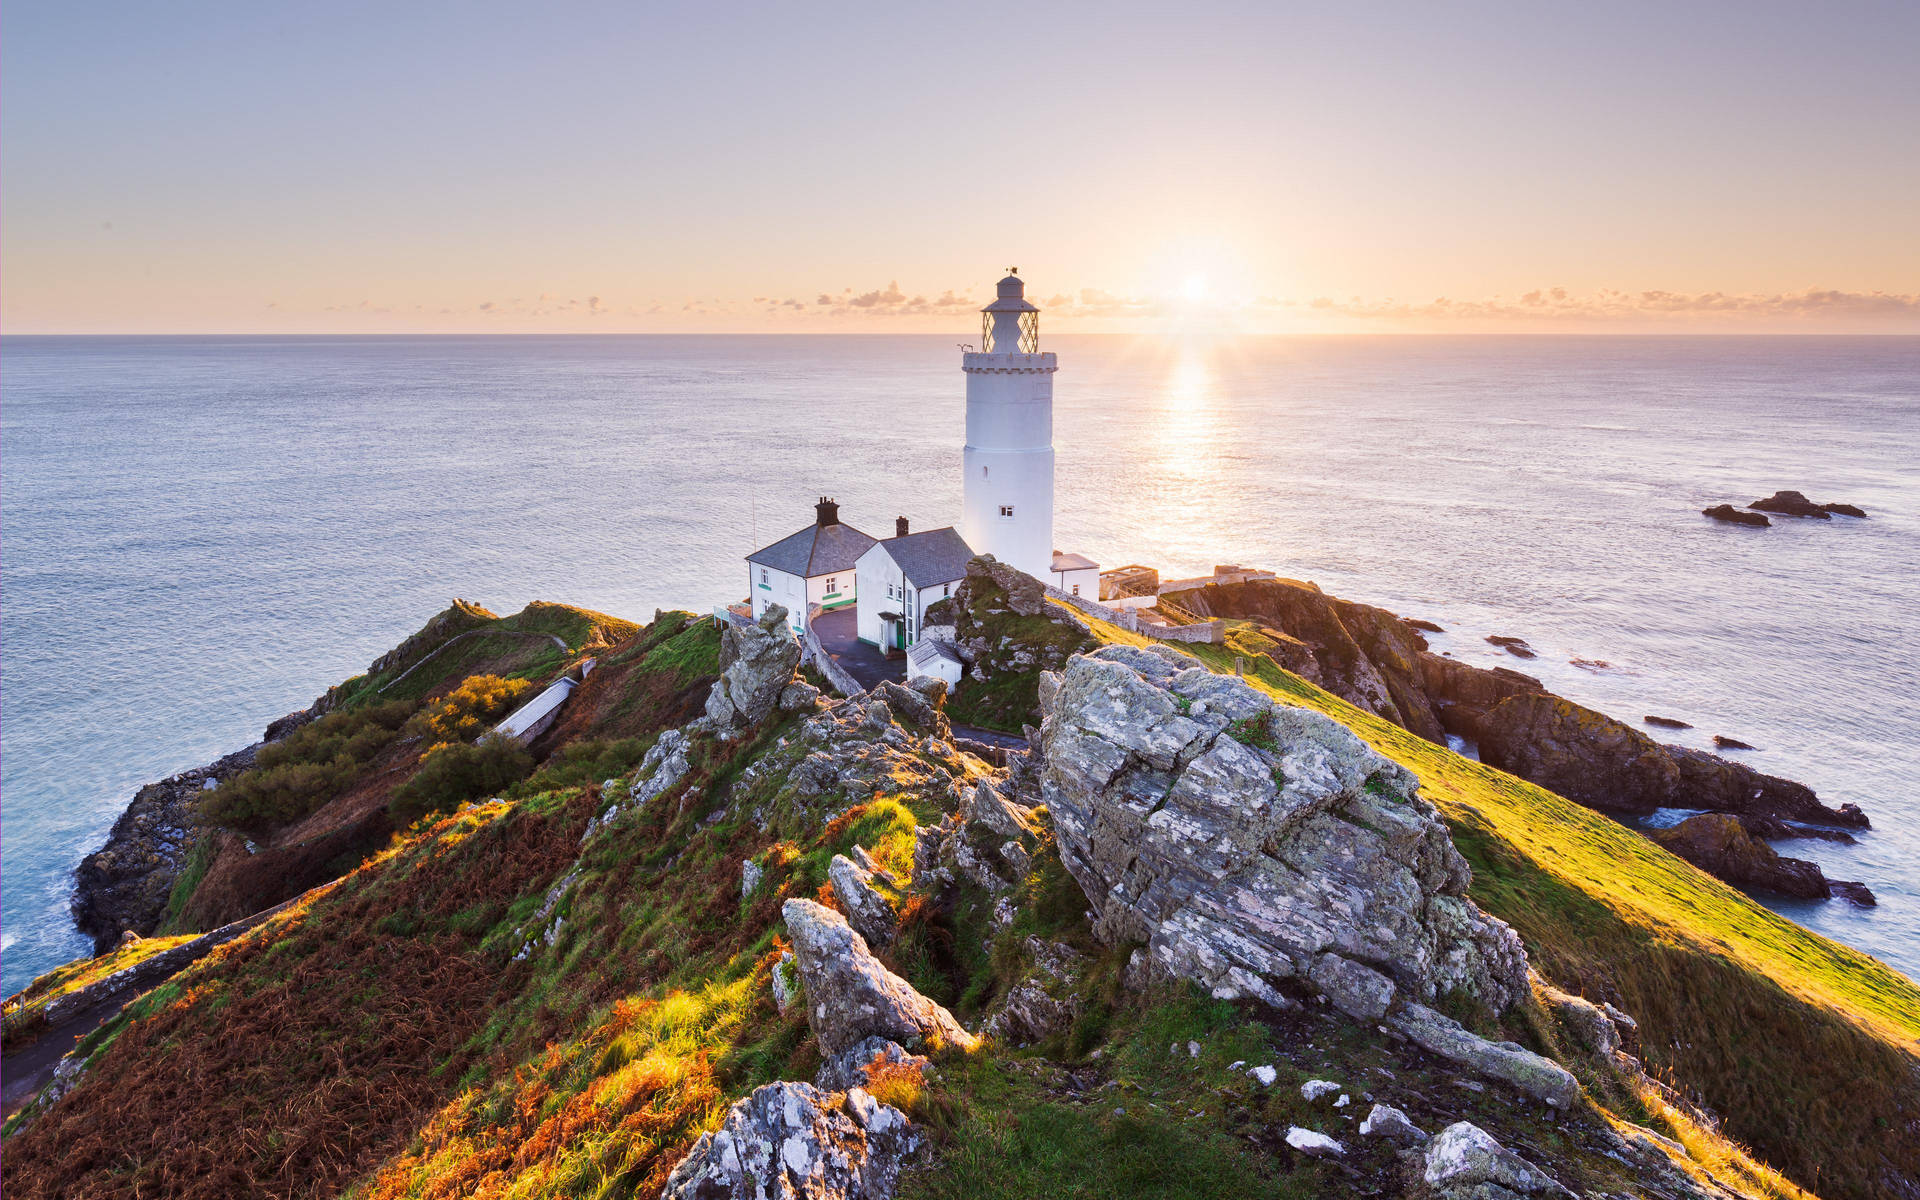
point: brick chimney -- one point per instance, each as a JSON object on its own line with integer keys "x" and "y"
{"x": 826, "y": 512}
{"x": 899, "y": 527}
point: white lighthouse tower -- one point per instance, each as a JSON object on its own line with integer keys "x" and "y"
{"x": 1008, "y": 507}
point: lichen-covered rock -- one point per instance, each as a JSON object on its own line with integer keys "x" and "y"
{"x": 989, "y": 841}
{"x": 1248, "y": 842}
{"x": 785, "y": 983}
{"x": 793, "y": 1140}
{"x": 757, "y": 663}
{"x": 1041, "y": 1003}
{"x": 852, "y": 996}
{"x": 870, "y": 912}
{"x": 1386, "y": 1121}
{"x": 857, "y": 1065}
{"x": 664, "y": 766}
{"x": 1515, "y": 1065}
{"x": 1464, "y": 1157}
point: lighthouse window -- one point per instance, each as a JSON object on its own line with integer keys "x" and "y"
{"x": 986, "y": 472}
{"x": 1006, "y": 510}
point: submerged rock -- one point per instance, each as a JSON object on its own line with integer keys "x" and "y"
{"x": 1727, "y": 743}
{"x": 1513, "y": 645}
{"x": 1248, "y": 843}
{"x": 794, "y": 1140}
{"x": 852, "y": 996}
{"x": 1666, "y": 722}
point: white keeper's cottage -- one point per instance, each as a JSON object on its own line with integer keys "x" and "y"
{"x": 901, "y": 576}
{"x": 813, "y": 566}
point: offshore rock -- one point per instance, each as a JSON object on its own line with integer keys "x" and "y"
{"x": 1464, "y": 1158}
{"x": 1733, "y": 516}
{"x": 794, "y": 1140}
{"x": 1249, "y": 843}
{"x": 1794, "y": 504}
{"x": 852, "y": 996}
{"x": 757, "y": 663}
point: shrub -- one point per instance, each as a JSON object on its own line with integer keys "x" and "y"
{"x": 582, "y": 763}
{"x": 453, "y": 773}
{"x": 468, "y": 710}
{"x": 296, "y": 775}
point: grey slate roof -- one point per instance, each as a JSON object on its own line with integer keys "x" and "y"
{"x": 931, "y": 557}
{"x": 815, "y": 550}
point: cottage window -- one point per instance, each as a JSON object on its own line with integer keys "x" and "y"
{"x": 763, "y": 574}
{"x": 889, "y": 591}
{"x": 1006, "y": 510}
{"x": 833, "y": 585}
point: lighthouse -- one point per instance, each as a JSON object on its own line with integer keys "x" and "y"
{"x": 1007, "y": 507}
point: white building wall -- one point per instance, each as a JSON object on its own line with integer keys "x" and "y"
{"x": 1087, "y": 579}
{"x": 767, "y": 585}
{"x": 876, "y": 572}
{"x": 873, "y": 574}
{"x": 1007, "y": 497}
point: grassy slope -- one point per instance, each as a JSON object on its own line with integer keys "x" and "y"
{"x": 24, "y": 1007}
{"x": 1806, "y": 1047}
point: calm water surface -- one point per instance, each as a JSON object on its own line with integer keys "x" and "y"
{"x": 198, "y": 535}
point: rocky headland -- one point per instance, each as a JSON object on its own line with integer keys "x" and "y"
{"x": 728, "y": 934}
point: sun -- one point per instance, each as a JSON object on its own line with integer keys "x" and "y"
{"x": 1194, "y": 290}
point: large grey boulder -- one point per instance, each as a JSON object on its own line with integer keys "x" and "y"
{"x": 852, "y": 996}
{"x": 1464, "y": 1159}
{"x": 757, "y": 663}
{"x": 794, "y": 1140}
{"x": 1512, "y": 1064}
{"x": 1247, "y": 842}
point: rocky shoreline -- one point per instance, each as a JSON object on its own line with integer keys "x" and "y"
{"x": 124, "y": 886}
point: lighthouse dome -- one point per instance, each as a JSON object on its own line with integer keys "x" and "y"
{"x": 1012, "y": 288}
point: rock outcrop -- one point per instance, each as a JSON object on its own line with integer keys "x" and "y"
{"x": 1794, "y": 504}
{"x": 851, "y": 995}
{"x": 756, "y": 666}
{"x": 1464, "y": 1161}
{"x": 1733, "y": 516}
{"x": 793, "y": 1140}
{"x": 1721, "y": 845}
{"x": 868, "y": 909}
{"x": 1252, "y": 845}
{"x": 1603, "y": 763}
{"x": 1365, "y": 655}
{"x": 125, "y": 884}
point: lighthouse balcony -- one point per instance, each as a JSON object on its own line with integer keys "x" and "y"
{"x": 1012, "y": 364}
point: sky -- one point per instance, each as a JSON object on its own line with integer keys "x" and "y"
{"x": 610, "y": 168}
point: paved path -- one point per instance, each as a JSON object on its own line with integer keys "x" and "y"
{"x": 838, "y": 634}
{"x": 990, "y": 737}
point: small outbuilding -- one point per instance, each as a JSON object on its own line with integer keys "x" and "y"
{"x": 814, "y": 566}
{"x": 1076, "y": 575}
{"x": 901, "y": 576}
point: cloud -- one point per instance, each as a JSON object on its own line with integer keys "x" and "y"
{"x": 1612, "y": 305}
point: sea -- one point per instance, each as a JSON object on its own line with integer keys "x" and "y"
{"x": 200, "y": 534}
